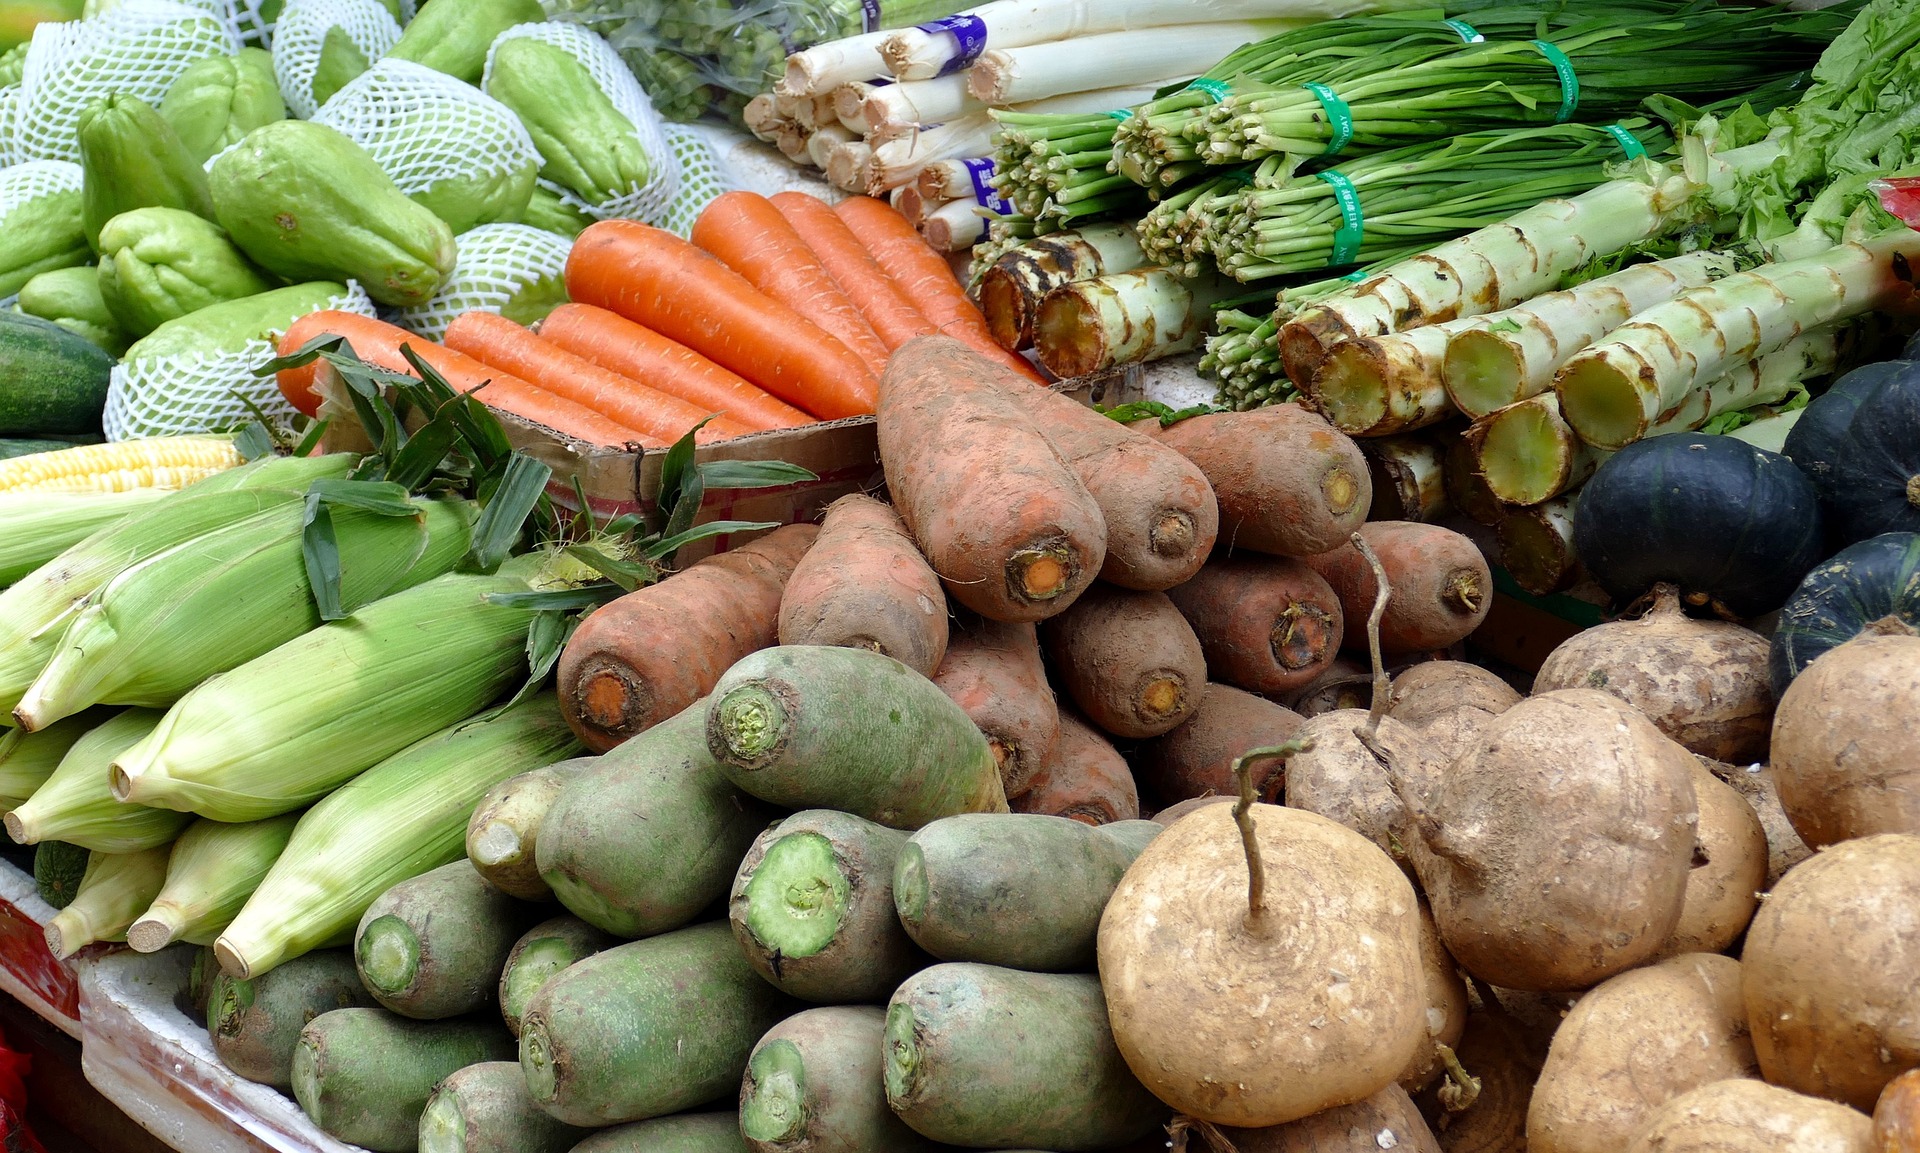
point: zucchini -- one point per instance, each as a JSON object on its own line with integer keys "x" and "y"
{"x": 51, "y": 380}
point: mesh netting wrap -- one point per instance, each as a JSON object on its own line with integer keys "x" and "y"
{"x": 22, "y": 184}
{"x": 138, "y": 49}
{"x": 302, "y": 30}
{"x": 423, "y": 126}
{"x": 232, "y": 13}
{"x": 702, "y": 179}
{"x": 205, "y": 392}
{"x": 500, "y": 265}
{"x": 611, "y": 74}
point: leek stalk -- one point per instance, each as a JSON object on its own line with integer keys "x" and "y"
{"x": 1536, "y": 546}
{"x": 1094, "y": 325}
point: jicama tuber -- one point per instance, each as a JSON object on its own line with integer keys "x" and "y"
{"x": 1729, "y": 869}
{"x": 1745, "y": 1116}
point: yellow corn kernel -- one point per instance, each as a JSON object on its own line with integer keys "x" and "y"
{"x": 169, "y": 462}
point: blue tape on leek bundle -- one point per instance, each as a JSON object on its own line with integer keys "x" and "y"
{"x": 1569, "y": 83}
{"x": 1468, "y": 33}
{"x": 980, "y": 171}
{"x": 1215, "y": 88}
{"x": 1339, "y": 118}
{"x": 1121, "y": 114}
{"x": 1629, "y": 143}
{"x": 870, "y": 15}
{"x": 969, "y": 36}
{"x": 1356, "y": 276}
{"x": 1353, "y": 227}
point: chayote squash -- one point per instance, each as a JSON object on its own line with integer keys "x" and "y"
{"x": 157, "y": 264}
{"x": 13, "y": 65}
{"x": 306, "y": 203}
{"x": 132, "y": 158}
{"x": 453, "y": 36}
{"x": 341, "y": 62}
{"x": 70, "y": 298}
{"x": 218, "y": 100}
{"x": 40, "y": 232}
{"x": 227, "y": 327}
{"x": 547, "y": 211}
{"x": 589, "y": 147}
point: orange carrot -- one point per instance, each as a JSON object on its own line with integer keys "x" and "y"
{"x": 379, "y": 343}
{"x": 924, "y": 276}
{"x": 654, "y": 278}
{"x": 751, "y": 237}
{"x": 866, "y": 284}
{"x": 614, "y": 342}
{"x": 1084, "y": 780}
{"x": 500, "y": 343}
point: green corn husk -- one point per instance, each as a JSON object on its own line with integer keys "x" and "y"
{"x": 214, "y": 868}
{"x": 77, "y": 806}
{"x": 220, "y": 600}
{"x": 399, "y": 819}
{"x": 28, "y": 759}
{"x": 35, "y": 527}
{"x": 32, "y": 612}
{"x": 117, "y": 886}
{"x": 285, "y": 729}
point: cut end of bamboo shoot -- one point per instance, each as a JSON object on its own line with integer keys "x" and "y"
{"x": 1008, "y": 311}
{"x": 1482, "y": 372}
{"x": 798, "y": 896}
{"x": 1069, "y": 336}
{"x": 1305, "y": 339}
{"x": 1350, "y": 388}
{"x": 1524, "y": 452}
{"x": 773, "y": 1106}
{"x": 1601, "y": 402}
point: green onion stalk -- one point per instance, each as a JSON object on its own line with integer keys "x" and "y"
{"x": 1415, "y": 196}
{"x": 1244, "y": 352}
{"x": 1585, "y": 68}
{"x": 1053, "y": 168}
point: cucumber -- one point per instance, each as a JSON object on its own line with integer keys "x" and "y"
{"x": 812, "y": 908}
{"x": 814, "y": 727}
{"x": 1013, "y": 889}
{"x": 503, "y": 834}
{"x": 51, "y": 380}
{"x": 996, "y": 1058}
{"x": 13, "y": 448}
{"x": 814, "y": 1085}
{"x": 255, "y": 1024}
{"x": 686, "y": 1133}
{"x": 484, "y": 1108}
{"x": 646, "y": 1029}
{"x": 651, "y": 836}
{"x": 364, "y": 1075}
{"x": 546, "y": 949}
{"x": 432, "y": 947}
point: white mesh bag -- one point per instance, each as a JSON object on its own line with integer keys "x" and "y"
{"x": 228, "y": 12}
{"x": 423, "y": 126}
{"x": 302, "y": 30}
{"x": 702, "y": 180}
{"x": 22, "y": 184}
{"x": 185, "y": 395}
{"x": 499, "y": 265}
{"x": 9, "y": 106}
{"x": 138, "y": 49}
{"x": 629, "y": 99}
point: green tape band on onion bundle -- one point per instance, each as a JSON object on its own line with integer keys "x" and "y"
{"x": 1629, "y": 143}
{"x": 1218, "y": 89}
{"x": 1121, "y": 114}
{"x": 1468, "y": 33}
{"x": 1353, "y": 228}
{"x": 1569, "y": 83}
{"x": 1339, "y": 118}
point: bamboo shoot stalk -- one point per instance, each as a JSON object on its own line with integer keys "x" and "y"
{"x": 847, "y": 166}
{"x": 114, "y": 891}
{"x": 1494, "y": 360}
{"x": 1094, "y": 325}
{"x": 955, "y": 226}
{"x": 1764, "y": 380}
{"x": 1012, "y": 287}
{"x": 1467, "y": 490}
{"x": 1536, "y": 546}
{"x": 1615, "y": 390}
{"x": 1526, "y": 453}
{"x": 1770, "y": 431}
{"x": 824, "y": 140}
{"x": 1377, "y": 385}
{"x": 1013, "y": 75}
{"x": 850, "y": 106}
{"x": 898, "y": 161}
{"x": 1409, "y": 481}
{"x": 915, "y": 54}
{"x": 921, "y": 101}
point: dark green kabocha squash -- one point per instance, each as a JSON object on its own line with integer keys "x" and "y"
{"x": 1816, "y": 437}
{"x": 1862, "y": 583}
{"x": 1875, "y": 467}
{"x": 1733, "y": 526}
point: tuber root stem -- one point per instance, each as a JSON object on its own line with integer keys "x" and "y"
{"x": 1462, "y": 1088}
{"x": 1243, "y": 817}
{"x": 1183, "y": 1125}
{"x": 1382, "y": 686}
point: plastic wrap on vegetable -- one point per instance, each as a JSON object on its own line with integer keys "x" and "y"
{"x": 197, "y": 373}
{"x": 515, "y": 270}
{"x": 319, "y": 46}
{"x": 1900, "y": 196}
{"x": 138, "y": 49}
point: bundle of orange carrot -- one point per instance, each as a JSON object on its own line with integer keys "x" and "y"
{"x": 780, "y": 313}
